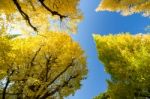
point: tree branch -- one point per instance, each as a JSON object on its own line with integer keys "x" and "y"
{"x": 142, "y": 94}
{"x": 51, "y": 82}
{"x": 71, "y": 64}
{"x": 31, "y": 63}
{"x": 52, "y": 12}
{"x": 58, "y": 87}
{"x": 36, "y": 53}
{"x": 24, "y": 15}
{"x": 47, "y": 68}
{"x": 7, "y": 83}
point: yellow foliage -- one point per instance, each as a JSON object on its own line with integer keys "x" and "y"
{"x": 38, "y": 15}
{"x": 126, "y": 59}
{"x": 43, "y": 63}
{"x": 126, "y": 7}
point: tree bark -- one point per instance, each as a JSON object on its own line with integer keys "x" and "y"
{"x": 5, "y": 88}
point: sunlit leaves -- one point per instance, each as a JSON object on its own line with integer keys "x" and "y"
{"x": 126, "y": 7}
{"x": 126, "y": 59}
{"x": 35, "y": 14}
{"x": 5, "y": 48}
{"x": 44, "y": 65}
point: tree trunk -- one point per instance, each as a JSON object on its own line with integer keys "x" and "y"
{"x": 5, "y": 88}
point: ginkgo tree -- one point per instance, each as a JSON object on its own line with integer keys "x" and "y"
{"x": 46, "y": 65}
{"x": 52, "y": 66}
{"x": 38, "y": 13}
{"x": 126, "y": 59}
{"x": 125, "y": 56}
{"x": 126, "y": 7}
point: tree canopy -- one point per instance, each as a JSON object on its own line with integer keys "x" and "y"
{"x": 45, "y": 65}
{"x": 42, "y": 63}
{"x": 37, "y": 14}
{"x": 126, "y": 59}
{"x": 126, "y": 7}
{"x": 125, "y": 56}
{"x": 52, "y": 66}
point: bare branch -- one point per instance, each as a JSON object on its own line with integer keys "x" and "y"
{"x": 31, "y": 63}
{"x": 52, "y": 12}
{"x": 58, "y": 76}
{"x": 47, "y": 68}
{"x": 5, "y": 88}
{"x": 24, "y": 15}
{"x": 10, "y": 73}
{"x": 58, "y": 87}
{"x": 36, "y": 53}
{"x": 61, "y": 73}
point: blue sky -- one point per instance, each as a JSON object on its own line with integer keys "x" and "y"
{"x": 101, "y": 23}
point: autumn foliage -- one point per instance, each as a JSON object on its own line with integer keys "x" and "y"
{"x": 51, "y": 66}
{"x": 126, "y": 7}
{"x": 126, "y": 59}
{"x": 38, "y": 63}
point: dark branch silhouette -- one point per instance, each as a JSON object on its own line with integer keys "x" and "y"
{"x": 62, "y": 72}
{"x": 52, "y": 12}
{"x": 27, "y": 18}
{"x": 4, "y": 90}
{"x": 7, "y": 84}
{"x": 65, "y": 83}
{"x": 33, "y": 58}
{"x": 24, "y": 15}
{"x": 58, "y": 76}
